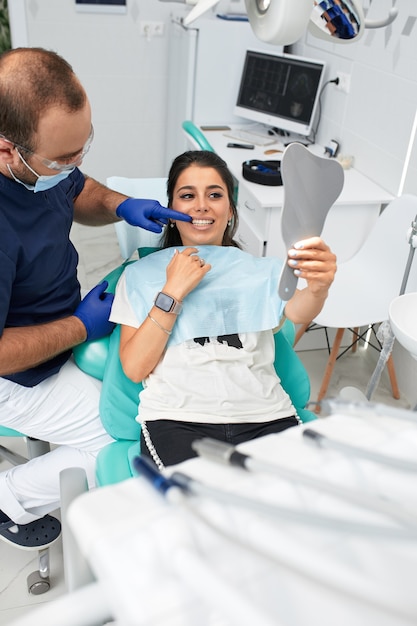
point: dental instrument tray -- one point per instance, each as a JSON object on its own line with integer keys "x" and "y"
{"x": 262, "y": 172}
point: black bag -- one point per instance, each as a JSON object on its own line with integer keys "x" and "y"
{"x": 262, "y": 172}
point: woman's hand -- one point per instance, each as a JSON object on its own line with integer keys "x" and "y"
{"x": 184, "y": 272}
{"x": 312, "y": 260}
{"x": 141, "y": 349}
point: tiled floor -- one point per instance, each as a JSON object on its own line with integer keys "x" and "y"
{"x": 99, "y": 254}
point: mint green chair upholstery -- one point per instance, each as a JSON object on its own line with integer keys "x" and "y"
{"x": 9, "y": 432}
{"x": 119, "y": 396}
{"x": 196, "y": 136}
{"x": 35, "y": 447}
{"x": 5, "y": 453}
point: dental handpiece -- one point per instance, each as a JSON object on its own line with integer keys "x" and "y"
{"x": 383, "y": 459}
{"x": 221, "y": 452}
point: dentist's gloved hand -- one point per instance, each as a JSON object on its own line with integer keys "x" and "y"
{"x": 148, "y": 214}
{"x": 94, "y": 311}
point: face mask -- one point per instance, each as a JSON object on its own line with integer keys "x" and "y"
{"x": 47, "y": 182}
{"x": 43, "y": 183}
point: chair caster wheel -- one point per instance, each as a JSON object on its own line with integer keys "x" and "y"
{"x": 38, "y": 585}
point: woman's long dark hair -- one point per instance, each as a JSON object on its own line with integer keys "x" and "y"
{"x": 201, "y": 158}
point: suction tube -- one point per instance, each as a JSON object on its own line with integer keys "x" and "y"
{"x": 386, "y": 337}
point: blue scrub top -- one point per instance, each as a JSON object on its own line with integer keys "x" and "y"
{"x": 38, "y": 263}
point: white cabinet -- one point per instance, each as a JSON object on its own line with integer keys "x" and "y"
{"x": 345, "y": 229}
{"x": 248, "y": 238}
{"x": 260, "y": 206}
{"x": 264, "y": 223}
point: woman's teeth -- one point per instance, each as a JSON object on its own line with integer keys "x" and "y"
{"x": 202, "y": 222}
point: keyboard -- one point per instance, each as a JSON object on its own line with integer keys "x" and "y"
{"x": 250, "y": 137}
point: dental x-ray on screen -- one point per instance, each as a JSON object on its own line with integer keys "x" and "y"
{"x": 280, "y": 90}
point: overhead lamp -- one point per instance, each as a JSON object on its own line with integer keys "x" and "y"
{"x": 283, "y": 22}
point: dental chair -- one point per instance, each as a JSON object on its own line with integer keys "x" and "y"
{"x": 119, "y": 395}
{"x": 38, "y": 581}
{"x": 195, "y": 136}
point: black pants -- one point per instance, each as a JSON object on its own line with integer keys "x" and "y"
{"x": 172, "y": 440}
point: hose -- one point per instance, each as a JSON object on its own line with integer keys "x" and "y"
{"x": 386, "y": 337}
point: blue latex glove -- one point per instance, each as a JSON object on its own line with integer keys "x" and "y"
{"x": 148, "y": 214}
{"x": 94, "y": 311}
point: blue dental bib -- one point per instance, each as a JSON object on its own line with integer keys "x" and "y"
{"x": 239, "y": 294}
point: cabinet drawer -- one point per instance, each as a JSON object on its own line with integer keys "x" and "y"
{"x": 255, "y": 215}
{"x": 248, "y": 239}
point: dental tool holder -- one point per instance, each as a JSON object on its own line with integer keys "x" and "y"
{"x": 412, "y": 240}
{"x": 385, "y": 333}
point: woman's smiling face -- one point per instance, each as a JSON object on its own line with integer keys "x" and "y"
{"x": 201, "y": 193}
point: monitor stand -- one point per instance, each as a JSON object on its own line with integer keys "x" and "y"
{"x": 287, "y": 138}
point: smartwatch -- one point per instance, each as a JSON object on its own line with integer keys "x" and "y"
{"x": 167, "y": 303}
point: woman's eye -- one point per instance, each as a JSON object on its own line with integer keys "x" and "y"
{"x": 186, "y": 196}
{"x": 216, "y": 194}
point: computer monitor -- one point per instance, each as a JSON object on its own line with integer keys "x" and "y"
{"x": 280, "y": 90}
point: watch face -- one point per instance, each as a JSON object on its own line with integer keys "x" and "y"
{"x": 164, "y": 302}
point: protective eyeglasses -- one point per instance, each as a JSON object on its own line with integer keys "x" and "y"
{"x": 60, "y": 165}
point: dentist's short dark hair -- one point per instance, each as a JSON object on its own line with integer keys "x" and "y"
{"x": 33, "y": 80}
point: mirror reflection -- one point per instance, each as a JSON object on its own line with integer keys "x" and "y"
{"x": 337, "y": 19}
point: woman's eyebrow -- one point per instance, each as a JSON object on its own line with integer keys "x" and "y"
{"x": 215, "y": 186}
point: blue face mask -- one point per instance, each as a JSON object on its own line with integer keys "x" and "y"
{"x": 43, "y": 183}
{"x": 47, "y": 182}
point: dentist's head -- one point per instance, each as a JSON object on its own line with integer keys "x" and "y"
{"x": 45, "y": 118}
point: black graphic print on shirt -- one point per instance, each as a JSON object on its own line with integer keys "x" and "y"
{"x": 231, "y": 340}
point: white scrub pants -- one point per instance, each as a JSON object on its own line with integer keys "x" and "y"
{"x": 62, "y": 410}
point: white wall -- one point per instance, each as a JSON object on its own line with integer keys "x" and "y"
{"x": 125, "y": 76}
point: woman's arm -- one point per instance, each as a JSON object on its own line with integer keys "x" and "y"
{"x": 312, "y": 260}
{"x": 141, "y": 349}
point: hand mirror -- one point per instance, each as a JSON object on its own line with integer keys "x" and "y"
{"x": 311, "y": 186}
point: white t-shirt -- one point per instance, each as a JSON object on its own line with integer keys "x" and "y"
{"x": 229, "y": 379}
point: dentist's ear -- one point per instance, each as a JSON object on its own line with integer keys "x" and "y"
{"x": 7, "y": 151}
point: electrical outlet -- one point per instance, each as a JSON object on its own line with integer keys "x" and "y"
{"x": 152, "y": 29}
{"x": 344, "y": 82}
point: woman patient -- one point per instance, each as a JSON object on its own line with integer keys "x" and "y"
{"x": 198, "y": 318}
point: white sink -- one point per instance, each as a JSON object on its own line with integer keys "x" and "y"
{"x": 403, "y": 319}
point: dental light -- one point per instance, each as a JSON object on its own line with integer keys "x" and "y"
{"x": 283, "y": 22}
